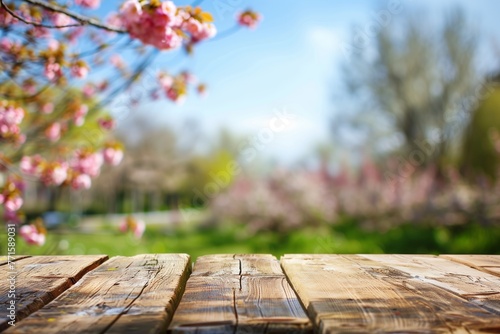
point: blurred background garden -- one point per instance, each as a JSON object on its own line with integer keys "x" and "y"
{"x": 332, "y": 127}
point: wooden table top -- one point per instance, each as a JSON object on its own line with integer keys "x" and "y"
{"x": 252, "y": 293}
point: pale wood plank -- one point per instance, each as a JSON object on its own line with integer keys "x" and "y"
{"x": 487, "y": 263}
{"x": 469, "y": 283}
{"x": 356, "y": 294}
{"x": 125, "y": 295}
{"x": 235, "y": 264}
{"x": 4, "y": 259}
{"x": 239, "y": 294}
{"x": 40, "y": 279}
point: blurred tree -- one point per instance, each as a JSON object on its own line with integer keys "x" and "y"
{"x": 413, "y": 82}
{"x": 480, "y": 155}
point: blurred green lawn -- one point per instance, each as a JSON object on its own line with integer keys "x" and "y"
{"x": 230, "y": 238}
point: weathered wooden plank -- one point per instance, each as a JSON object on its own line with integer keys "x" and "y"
{"x": 239, "y": 294}
{"x": 5, "y": 259}
{"x": 487, "y": 263}
{"x": 38, "y": 280}
{"x": 356, "y": 294}
{"x": 469, "y": 283}
{"x": 125, "y": 295}
{"x": 235, "y": 264}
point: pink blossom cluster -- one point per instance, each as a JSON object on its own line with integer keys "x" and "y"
{"x": 11, "y": 117}
{"x": 6, "y": 19}
{"x": 50, "y": 173}
{"x": 249, "y": 19}
{"x": 175, "y": 87}
{"x": 32, "y": 234}
{"x": 163, "y": 25}
{"x": 10, "y": 195}
{"x": 106, "y": 123}
{"x": 78, "y": 172}
{"x": 93, "y": 4}
{"x": 112, "y": 155}
{"x": 131, "y": 224}
{"x": 79, "y": 116}
{"x": 79, "y": 70}
{"x": 53, "y": 131}
{"x": 52, "y": 70}
{"x": 198, "y": 30}
{"x": 61, "y": 20}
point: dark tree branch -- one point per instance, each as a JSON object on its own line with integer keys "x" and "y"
{"x": 33, "y": 23}
{"x": 82, "y": 19}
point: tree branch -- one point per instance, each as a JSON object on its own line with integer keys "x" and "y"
{"x": 82, "y": 19}
{"x": 33, "y": 23}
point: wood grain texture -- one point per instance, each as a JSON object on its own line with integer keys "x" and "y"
{"x": 125, "y": 295}
{"x": 476, "y": 286}
{"x": 40, "y": 279}
{"x": 487, "y": 263}
{"x": 4, "y": 259}
{"x": 359, "y": 294}
{"x": 239, "y": 294}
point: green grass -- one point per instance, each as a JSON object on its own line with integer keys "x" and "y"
{"x": 343, "y": 238}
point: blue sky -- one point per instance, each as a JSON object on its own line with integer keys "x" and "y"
{"x": 290, "y": 62}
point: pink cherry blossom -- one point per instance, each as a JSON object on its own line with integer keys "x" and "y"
{"x": 6, "y": 19}
{"x": 106, "y": 123}
{"x": 131, "y": 224}
{"x": 123, "y": 227}
{"x": 6, "y": 44}
{"x": 153, "y": 26}
{"x": 112, "y": 156}
{"x": 52, "y": 70}
{"x": 48, "y": 108}
{"x": 117, "y": 61}
{"x": 53, "y": 132}
{"x": 79, "y": 117}
{"x": 79, "y": 71}
{"x": 40, "y": 32}
{"x": 93, "y": 4}
{"x": 31, "y": 235}
{"x": 114, "y": 20}
{"x": 11, "y": 117}
{"x": 13, "y": 203}
{"x": 249, "y": 19}
{"x": 53, "y": 45}
{"x": 86, "y": 162}
{"x": 75, "y": 33}
{"x": 29, "y": 87}
{"x": 139, "y": 229}
{"x": 30, "y": 165}
{"x": 61, "y": 20}
{"x": 81, "y": 181}
{"x": 207, "y": 30}
{"x": 10, "y": 195}
{"x": 54, "y": 174}
{"x": 88, "y": 90}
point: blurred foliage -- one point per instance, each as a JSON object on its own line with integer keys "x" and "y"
{"x": 345, "y": 237}
{"x": 479, "y": 155}
{"x": 406, "y": 88}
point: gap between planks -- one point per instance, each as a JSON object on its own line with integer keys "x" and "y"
{"x": 239, "y": 294}
{"x": 385, "y": 293}
{"x": 40, "y": 279}
{"x": 124, "y": 295}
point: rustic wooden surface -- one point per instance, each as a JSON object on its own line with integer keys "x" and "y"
{"x": 486, "y": 263}
{"x": 125, "y": 295}
{"x": 40, "y": 279}
{"x": 239, "y": 294}
{"x": 385, "y": 293}
{"x": 255, "y": 294}
{"x": 4, "y": 259}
